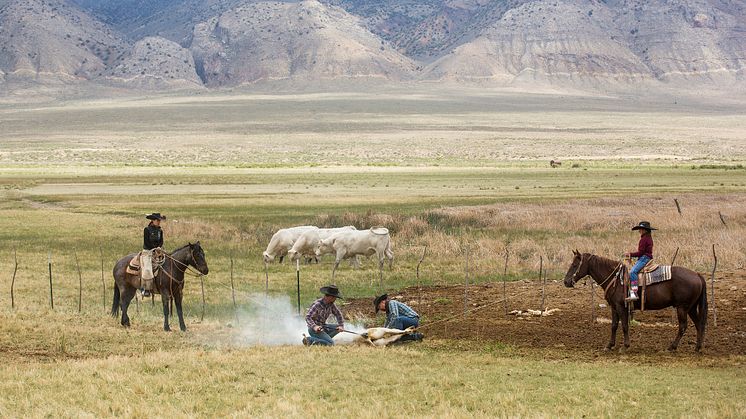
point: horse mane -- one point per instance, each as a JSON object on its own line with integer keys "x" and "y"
{"x": 181, "y": 248}
{"x": 603, "y": 259}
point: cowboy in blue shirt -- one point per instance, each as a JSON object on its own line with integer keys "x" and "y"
{"x": 398, "y": 315}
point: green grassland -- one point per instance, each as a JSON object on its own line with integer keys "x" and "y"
{"x": 228, "y": 170}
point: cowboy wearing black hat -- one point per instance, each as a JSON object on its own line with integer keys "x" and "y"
{"x": 320, "y": 332}
{"x": 644, "y": 254}
{"x": 398, "y": 315}
{"x": 152, "y": 239}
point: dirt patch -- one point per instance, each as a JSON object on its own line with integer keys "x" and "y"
{"x": 571, "y": 328}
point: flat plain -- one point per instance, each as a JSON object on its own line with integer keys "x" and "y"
{"x": 464, "y": 174}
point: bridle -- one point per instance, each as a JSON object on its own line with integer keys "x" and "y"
{"x": 188, "y": 269}
{"x": 606, "y": 284}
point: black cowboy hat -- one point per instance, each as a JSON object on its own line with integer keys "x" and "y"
{"x": 331, "y": 290}
{"x": 378, "y": 300}
{"x": 644, "y": 225}
{"x": 155, "y": 216}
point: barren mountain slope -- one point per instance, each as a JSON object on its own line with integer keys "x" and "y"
{"x": 51, "y": 40}
{"x": 306, "y": 40}
{"x": 155, "y": 62}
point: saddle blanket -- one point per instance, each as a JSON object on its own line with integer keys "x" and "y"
{"x": 659, "y": 274}
{"x": 133, "y": 268}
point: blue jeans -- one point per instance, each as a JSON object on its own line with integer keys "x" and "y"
{"x": 324, "y": 337}
{"x": 403, "y": 322}
{"x": 641, "y": 262}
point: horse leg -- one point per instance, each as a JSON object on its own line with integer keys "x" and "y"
{"x": 127, "y": 295}
{"x": 697, "y": 325}
{"x": 165, "y": 299}
{"x": 681, "y": 314}
{"x": 177, "y": 300}
{"x": 614, "y": 327}
{"x": 625, "y": 326}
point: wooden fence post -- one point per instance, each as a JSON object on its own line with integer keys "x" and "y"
{"x": 466, "y": 280}
{"x": 297, "y": 282}
{"x": 712, "y": 288}
{"x": 103, "y": 282}
{"x": 80, "y": 282}
{"x": 722, "y": 218}
{"x": 593, "y": 302}
{"x": 266, "y": 276}
{"x": 543, "y": 291}
{"x": 13, "y": 281}
{"x": 51, "y": 287}
{"x": 678, "y": 207}
{"x": 233, "y": 291}
{"x": 676, "y": 253}
{"x": 505, "y": 280}
{"x": 202, "y": 283}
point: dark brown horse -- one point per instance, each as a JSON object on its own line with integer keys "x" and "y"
{"x": 169, "y": 282}
{"x": 686, "y": 291}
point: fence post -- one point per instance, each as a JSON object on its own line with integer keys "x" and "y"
{"x": 722, "y": 218}
{"x": 202, "y": 283}
{"x": 541, "y": 268}
{"x": 13, "y": 281}
{"x": 266, "y": 277}
{"x": 297, "y": 282}
{"x": 543, "y": 291}
{"x": 233, "y": 291}
{"x": 505, "y": 280}
{"x": 51, "y": 287}
{"x": 466, "y": 280}
{"x": 103, "y": 282}
{"x": 676, "y": 253}
{"x": 80, "y": 282}
{"x": 678, "y": 207}
{"x": 712, "y": 287}
{"x": 593, "y": 302}
{"x": 419, "y": 282}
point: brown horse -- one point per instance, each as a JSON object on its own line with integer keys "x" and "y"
{"x": 169, "y": 282}
{"x": 686, "y": 291}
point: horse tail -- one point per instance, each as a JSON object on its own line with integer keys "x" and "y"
{"x": 702, "y": 305}
{"x": 115, "y": 304}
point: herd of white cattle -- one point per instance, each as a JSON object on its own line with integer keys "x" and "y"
{"x": 344, "y": 242}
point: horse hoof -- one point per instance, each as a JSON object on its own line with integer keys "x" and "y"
{"x": 183, "y": 329}
{"x": 608, "y": 349}
{"x": 623, "y": 350}
{"x": 672, "y": 348}
{"x": 166, "y": 329}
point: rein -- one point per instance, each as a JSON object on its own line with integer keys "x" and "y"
{"x": 188, "y": 270}
{"x": 608, "y": 284}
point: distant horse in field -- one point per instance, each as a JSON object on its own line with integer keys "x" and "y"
{"x": 686, "y": 291}
{"x": 169, "y": 282}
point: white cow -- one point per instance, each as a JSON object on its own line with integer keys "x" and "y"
{"x": 308, "y": 241}
{"x": 283, "y": 241}
{"x": 349, "y": 244}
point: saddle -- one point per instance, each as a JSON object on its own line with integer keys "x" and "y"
{"x": 651, "y": 273}
{"x": 133, "y": 268}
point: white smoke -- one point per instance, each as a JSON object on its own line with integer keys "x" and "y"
{"x": 274, "y": 321}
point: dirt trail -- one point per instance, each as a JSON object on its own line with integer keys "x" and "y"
{"x": 571, "y": 328}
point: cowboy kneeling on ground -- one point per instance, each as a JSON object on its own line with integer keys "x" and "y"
{"x": 320, "y": 332}
{"x": 398, "y": 316}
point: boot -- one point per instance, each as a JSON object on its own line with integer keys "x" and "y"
{"x": 632, "y": 294}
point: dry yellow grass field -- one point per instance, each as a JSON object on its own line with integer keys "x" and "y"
{"x": 446, "y": 170}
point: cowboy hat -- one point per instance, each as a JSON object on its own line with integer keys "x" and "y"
{"x": 644, "y": 225}
{"x": 378, "y": 300}
{"x": 155, "y": 216}
{"x": 331, "y": 290}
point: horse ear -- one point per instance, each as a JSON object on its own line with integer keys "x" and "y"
{"x": 575, "y": 252}
{"x": 190, "y": 244}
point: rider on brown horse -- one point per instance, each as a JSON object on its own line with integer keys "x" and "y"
{"x": 644, "y": 254}
{"x": 152, "y": 239}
